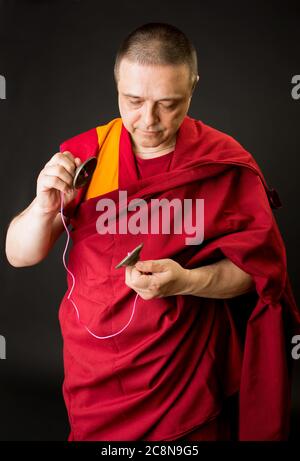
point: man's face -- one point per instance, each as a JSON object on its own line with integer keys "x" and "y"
{"x": 153, "y": 101}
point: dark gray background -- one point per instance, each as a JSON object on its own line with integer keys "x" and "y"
{"x": 57, "y": 57}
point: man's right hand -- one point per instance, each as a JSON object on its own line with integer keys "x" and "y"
{"x": 56, "y": 177}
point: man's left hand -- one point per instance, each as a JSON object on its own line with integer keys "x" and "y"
{"x": 157, "y": 278}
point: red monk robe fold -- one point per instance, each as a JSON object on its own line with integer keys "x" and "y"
{"x": 172, "y": 368}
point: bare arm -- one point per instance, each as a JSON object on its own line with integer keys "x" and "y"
{"x": 32, "y": 234}
{"x": 166, "y": 277}
{"x": 222, "y": 279}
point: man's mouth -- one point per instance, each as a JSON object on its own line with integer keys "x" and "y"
{"x": 149, "y": 133}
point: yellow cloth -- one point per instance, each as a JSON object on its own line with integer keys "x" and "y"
{"x": 106, "y": 175}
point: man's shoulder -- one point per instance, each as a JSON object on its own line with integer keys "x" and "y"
{"x": 216, "y": 136}
{"x": 217, "y": 146}
{"x": 212, "y": 144}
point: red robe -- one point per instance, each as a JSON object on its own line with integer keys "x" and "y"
{"x": 181, "y": 356}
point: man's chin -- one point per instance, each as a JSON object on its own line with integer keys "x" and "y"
{"x": 146, "y": 145}
{"x": 147, "y": 140}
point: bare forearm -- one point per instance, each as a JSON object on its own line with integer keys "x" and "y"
{"x": 29, "y": 236}
{"x": 219, "y": 280}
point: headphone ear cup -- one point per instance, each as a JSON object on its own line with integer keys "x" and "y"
{"x": 84, "y": 172}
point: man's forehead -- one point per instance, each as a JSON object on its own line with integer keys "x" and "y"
{"x": 166, "y": 98}
{"x": 165, "y": 82}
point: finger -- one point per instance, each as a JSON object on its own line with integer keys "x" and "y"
{"x": 149, "y": 266}
{"x": 60, "y": 172}
{"x": 53, "y": 182}
{"x": 135, "y": 280}
{"x": 65, "y": 154}
{"x": 70, "y": 156}
{"x": 128, "y": 270}
{"x": 69, "y": 164}
{"x": 141, "y": 281}
{"x": 146, "y": 295}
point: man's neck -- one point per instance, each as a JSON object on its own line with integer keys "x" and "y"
{"x": 147, "y": 153}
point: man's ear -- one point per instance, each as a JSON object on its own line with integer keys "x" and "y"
{"x": 195, "y": 83}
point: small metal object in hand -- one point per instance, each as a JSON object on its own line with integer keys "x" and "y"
{"x": 132, "y": 258}
{"x": 84, "y": 172}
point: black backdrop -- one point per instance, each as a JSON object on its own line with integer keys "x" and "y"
{"x": 57, "y": 58}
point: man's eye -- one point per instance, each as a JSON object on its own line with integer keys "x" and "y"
{"x": 170, "y": 106}
{"x": 135, "y": 103}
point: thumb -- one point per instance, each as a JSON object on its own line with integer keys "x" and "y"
{"x": 149, "y": 266}
{"x": 78, "y": 161}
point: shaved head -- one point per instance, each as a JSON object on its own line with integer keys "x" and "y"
{"x": 158, "y": 44}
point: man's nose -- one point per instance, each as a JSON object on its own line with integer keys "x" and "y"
{"x": 150, "y": 117}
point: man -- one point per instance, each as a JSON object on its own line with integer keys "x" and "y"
{"x": 214, "y": 315}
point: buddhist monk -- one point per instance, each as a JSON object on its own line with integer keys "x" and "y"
{"x": 206, "y": 353}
